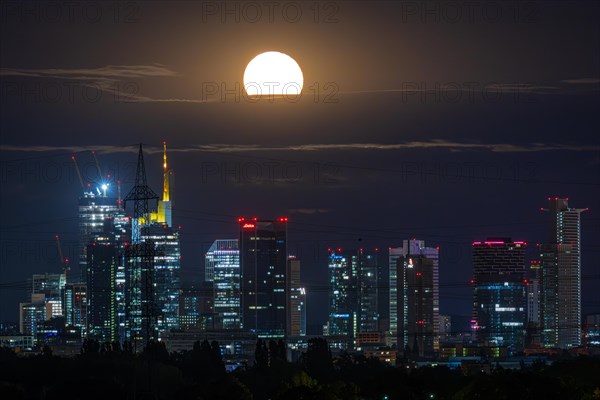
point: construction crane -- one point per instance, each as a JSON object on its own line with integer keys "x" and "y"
{"x": 77, "y": 170}
{"x": 104, "y": 183}
{"x": 64, "y": 262}
{"x": 119, "y": 200}
{"x": 97, "y": 165}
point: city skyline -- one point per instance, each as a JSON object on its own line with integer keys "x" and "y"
{"x": 325, "y": 199}
{"x": 106, "y": 199}
{"x": 404, "y": 129}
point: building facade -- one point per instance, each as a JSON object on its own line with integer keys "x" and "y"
{"x": 75, "y": 306}
{"x": 342, "y": 294}
{"x": 263, "y": 263}
{"x": 398, "y": 286}
{"x": 592, "y": 331}
{"x": 296, "y": 308}
{"x": 31, "y": 315}
{"x": 394, "y": 253}
{"x": 533, "y": 301}
{"x": 560, "y": 280}
{"x": 121, "y": 225}
{"x": 499, "y": 302}
{"x": 196, "y": 308}
{"x": 166, "y": 274}
{"x": 368, "y": 292}
{"x": 94, "y": 208}
{"x": 417, "y": 272}
{"x": 353, "y": 292}
{"x": 102, "y": 254}
{"x": 52, "y": 287}
{"x": 444, "y": 328}
{"x": 222, "y": 268}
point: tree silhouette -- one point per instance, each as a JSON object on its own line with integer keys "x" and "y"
{"x": 277, "y": 352}
{"x": 261, "y": 355}
{"x": 317, "y": 360}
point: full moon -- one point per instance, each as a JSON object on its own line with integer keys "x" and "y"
{"x": 273, "y": 74}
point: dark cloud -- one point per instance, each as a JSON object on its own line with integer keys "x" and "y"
{"x": 237, "y": 148}
{"x": 582, "y": 81}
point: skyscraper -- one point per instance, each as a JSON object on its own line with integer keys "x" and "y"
{"x": 94, "y": 208}
{"x": 499, "y": 301}
{"x": 166, "y": 277}
{"x": 97, "y": 209}
{"x": 366, "y": 281}
{"x": 353, "y": 293}
{"x": 102, "y": 262}
{"x": 533, "y": 301}
{"x": 296, "y": 309}
{"x": 121, "y": 225}
{"x": 302, "y": 310}
{"x": 104, "y": 291}
{"x": 342, "y": 294}
{"x": 75, "y": 306}
{"x": 167, "y": 258}
{"x": 263, "y": 262}
{"x": 393, "y": 255}
{"x": 398, "y": 262}
{"x": 417, "y": 303}
{"x": 222, "y": 266}
{"x": 560, "y": 280}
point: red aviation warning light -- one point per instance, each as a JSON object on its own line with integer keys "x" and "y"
{"x": 248, "y": 225}
{"x": 282, "y": 219}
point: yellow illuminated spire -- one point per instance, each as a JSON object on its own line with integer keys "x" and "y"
{"x": 165, "y": 174}
{"x": 163, "y": 212}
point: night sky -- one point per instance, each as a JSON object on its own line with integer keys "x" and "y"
{"x": 448, "y": 122}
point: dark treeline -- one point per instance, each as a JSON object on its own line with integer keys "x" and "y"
{"x": 110, "y": 371}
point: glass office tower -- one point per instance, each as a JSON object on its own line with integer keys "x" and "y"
{"x": 222, "y": 266}
{"x": 499, "y": 294}
{"x": 263, "y": 262}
